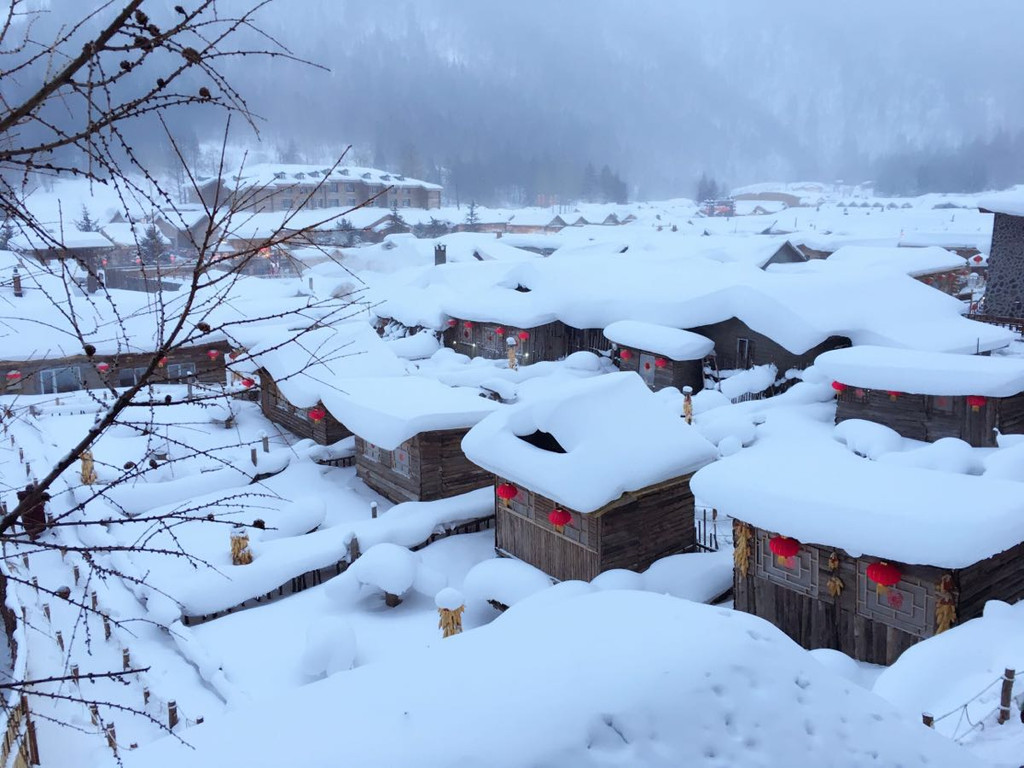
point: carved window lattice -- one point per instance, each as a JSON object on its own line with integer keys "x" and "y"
{"x": 909, "y": 605}
{"x": 798, "y": 573}
{"x": 400, "y": 460}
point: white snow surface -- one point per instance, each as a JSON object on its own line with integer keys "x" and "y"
{"x": 617, "y": 435}
{"x": 755, "y": 697}
{"x": 923, "y": 373}
{"x": 909, "y": 261}
{"x": 659, "y": 339}
{"x": 819, "y": 492}
{"x": 1010, "y": 203}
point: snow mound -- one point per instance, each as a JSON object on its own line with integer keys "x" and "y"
{"x": 389, "y": 567}
{"x": 866, "y": 438}
{"x": 330, "y": 647}
{"x": 503, "y": 580}
{"x": 449, "y": 598}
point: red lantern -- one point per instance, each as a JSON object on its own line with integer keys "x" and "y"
{"x": 559, "y": 518}
{"x": 500, "y": 331}
{"x": 213, "y": 354}
{"x": 626, "y": 354}
{"x": 452, "y": 323}
{"x": 317, "y": 415}
{"x": 660, "y": 362}
{"x": 13, "y": 375}
{"x": 977, "y": 402}
{"x": 468, "y": 324}
{"x": 978, "y": 259}
{"x": 161, "y": 362}
{"x": 102, "y": 367}
{"x": 783, "y": 546}
{"x": 838, "y": 387}
{"x": 893, "y": 395}
{"x": 247, "y": 383}
{"x": 884, "y": 575}
{"x": 524, "y": 335}
{"x": 507, "y": 491}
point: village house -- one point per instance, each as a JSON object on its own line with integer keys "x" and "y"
{"x": 1004, "y": 291}
{"x": 91, "y": 250}
{"x": 409, "y": 431}
{"x": 934, "y": 266}
{"x": 865, "y": 557}
{"x": 591, "y": 478}
{"x": 662, "y": 356}
{"x": 272, "y": 187}
{"x": 929, "y": 395}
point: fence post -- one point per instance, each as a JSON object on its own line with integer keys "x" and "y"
{"x": 172, "y": 714}
{"x": 76, "y": 574}
{"x": 1004, "y": 696}
{"x": 111, "y": 738}
{"x": 373, "y": 510}
{"x": 266, "y": 444}
{"x": 106, "y": 628}
{"x": 60, "y": 640}
{"x": 252, "y": 456}
{"x": 74, "y": 674}
{"x": 126, "y": 659}
{"x": 928, "y": 719}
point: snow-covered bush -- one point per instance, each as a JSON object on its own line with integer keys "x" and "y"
{"x": 330, "y": 648}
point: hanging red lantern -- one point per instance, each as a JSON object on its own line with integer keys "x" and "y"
{"x": 102, "y": 367}
{"x": 783, "y": 548}
{"x": 507, "y": 491}
{"x": 838, "y": 387}
{"x": 884, "y": 575}
{"x": 500, "y": 331}
{"x": 247, "y": 383}
{"x": 317, "y": 415}
{"x": 660, "y": 362}
{"x": 161, "y": 362}
{"x": 213, "y": 354}
{"x": 894, "y": 395}
{"x": 524, "y": 335}
{"x": 625, "y": 354}
{"x": 468, "y": 324}
{"x": 13, "y": 375}
{"x": 452, "y": 323}
{"x": 978, "y": 259}
{"x": 559, "y": 518}
{"x": 977, "y": 402}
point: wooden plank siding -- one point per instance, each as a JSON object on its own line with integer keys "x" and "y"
{"x": 631, "y": 532}
{"x": 434, "y": 467}
{"x": 814, "y": 619}
{"x": 674, "y": 373}
{"x": 277, "y": 409}
{"x": 931, "y": 418}
{"x": 762, "y": 350}
{"x": 488, "y": 340}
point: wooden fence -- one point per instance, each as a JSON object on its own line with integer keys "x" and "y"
{"x": 1012, "y": 323}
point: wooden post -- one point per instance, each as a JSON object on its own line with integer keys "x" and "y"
{"x": 60, "y": 640}
{"x": 172, "y": 714}
{"x": 111, "y": 738}
{"x": 353, "y": 550}
{"x": 373, "y": 510}
{"x": 94, "y": 601}
{"x": 35, "y": 583}
{"x": 94, "y": 713}
{"x": 24, "y": 559}
{"x": 76, "y": 574}
{"x": 46, "y": 612}
{"x": 126, "y": 659}
{"x": 28, "y": 469}
{"x": 1004, "y": 696}
{"x": 33, "y": 744}
{"x": 145, "y": 696}
{"x": 266, "y": 444}
{"x": 252, "y": 456}
{"x": 74, "y": 674}
{"x": 106, "y": 628}
{"x": 928, "y": 719}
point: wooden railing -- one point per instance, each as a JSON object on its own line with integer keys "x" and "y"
{"x": 1012, "y": 323}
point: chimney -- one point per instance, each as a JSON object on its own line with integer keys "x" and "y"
{"x": 17, "y": 284}
{"x": 440, "y": 254}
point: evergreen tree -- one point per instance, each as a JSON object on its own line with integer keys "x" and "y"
{"x": 151, "y": 246}
{"x": 87, "y": 223}
{"x": 707, "y": 188}
{"x": 589, "y": 192}
{"x": 395, "y": 216}
{"x": 472, "y": 219}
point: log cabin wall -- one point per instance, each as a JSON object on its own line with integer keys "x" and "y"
{"x": 444, "y": 469}
{"x": 395, "y": 475}
{"x": 671, "y": 373}
{"x": 739, "y": 346}
{"x": 857, "y": 622}
{"x": 77, "y": 372}
{"x": 1000, "y": 577}
{"x": 930, "y": 418}
{"x": 646, "y": 526}
{"x": 586, "y": 340}
{"x": 488, "y": 340}
{"x": 279, "y": 410}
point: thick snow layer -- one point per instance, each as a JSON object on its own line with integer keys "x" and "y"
{"x": 923, "y": 373}
{"x": 418, "y": 346}
{"x": 821, "y": 493}
{"x": 659, "y": 339}
{"x": 755, "y": 698}
{"x": 751, "y": 381}
{"x": 505, "y": 580}
{"x": 1010, "y": 203}
{"x": 866, "y": 438}
{"x": 389, "y": 411}
{"x": 909, "y": 261}
{"x": 617, "y": 436}
{"x": 389, "y": 567}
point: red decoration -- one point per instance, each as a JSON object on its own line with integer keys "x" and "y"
{"x": 838, "y": 387}
{"x": 13, "y": 375}
{"x": 452, "y": 323}
{"x": 102, "y": 367}
{"x": 625, "y": 354}
{"x": 660, "y": 362}
{"x": 893, "y": 395}
{"x": 468, "y": 324}
{"x": 507, "y": 491}
{"x": 559, "y": 517}
{"x": 783, "y": 546}
{"x": 977, "y": 402}
{"x": 978, "y": 259}
{"x": 161, "y": 362}
{"x": 884, "y": 575}
{"x": 247, "y": 383}
{"x": 234, "y": 354}
{"x": 317, "y": 414}
{"x": 895, "y": 599}
{"x": 524, "y": 335}
{"x": 213, "y": 354}
{"x": 500, "y": 331}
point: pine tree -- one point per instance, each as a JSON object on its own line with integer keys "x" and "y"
{"x": 87, "y": 223}
{"x": 151, "y": 246}
{"x": 472, "y": 219}
{"x": 396, "y": 217}
{"x": 6, "y": 233}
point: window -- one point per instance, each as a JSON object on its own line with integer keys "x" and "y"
{"x": 13, "y": 381}
{"x": 371, "y": 452}
{"x": 400, "y": 460}
{"x": 54, "y": 380}
{"x": 129, "y": 377}
{"x": 942, "y": 404}
{"x": 350, "y": 188}
{"x": 351, "y": 201}
{"x": 744, "y": 353}
{"x": 181, "y": 372}
{"x": 407, "y": 203}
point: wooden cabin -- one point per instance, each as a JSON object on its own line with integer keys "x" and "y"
{"x": 594, "y": 478}
{"x": 662, "y": 356}
{"x": 1004, "y": 291}
{"x": 409, "y": 431}
{"x": 738, "y": 347}
{"x": 865, "y": 557}
{"x": 314, "y": 422}
{"x": 929, "y": 395}
{"x": 490, "y": 340}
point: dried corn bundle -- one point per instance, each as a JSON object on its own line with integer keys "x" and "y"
{"x": 742, "y": 537}
{"x": 450, "y": 622}
{"x": 240, "y": 552}
{"x": 88, "y": 468}
{"x": 945, "y": 604}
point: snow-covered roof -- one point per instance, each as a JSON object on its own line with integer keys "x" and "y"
{"x": 820, "y": 492}
{"x": 389, "y": 411}
{"x": 911, "y": 261}
{"x": 617, "y": 436}
{"x": 307, "y": 365}
{"x": 673, "y": 343}
{"x": 1010, "y": 203}
{"x": 924, "y": 373}
{"x": 285, "y": 174}
{"x": 508, "y": 695}
{"x": 129, "y": 235}
{"x": 69, "y": 238}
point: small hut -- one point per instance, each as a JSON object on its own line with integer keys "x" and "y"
{"x": 296, "y": 368}
{"x": 491, "y": 340}
{"x": 928, "y": 395}
{"x": 663, "y": 356}
{"x": 409, "y": 431}
{"x": 593, "y": 478}
{"x": 865, "y": 557}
